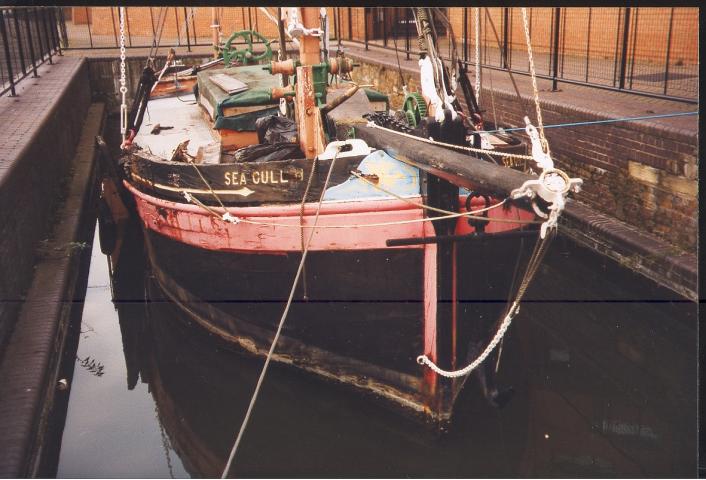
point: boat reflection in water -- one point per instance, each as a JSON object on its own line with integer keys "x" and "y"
{"x": 604, "y": 388}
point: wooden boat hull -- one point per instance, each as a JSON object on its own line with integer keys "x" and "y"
{"x": 363, "y": 311}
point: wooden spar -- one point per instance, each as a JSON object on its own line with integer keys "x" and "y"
{"x": 309, "y": 53}
{"x": 311, "y": 134}
{"x": 456, "y": 167}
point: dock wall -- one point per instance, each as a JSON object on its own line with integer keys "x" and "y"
{"x": 41, "y": 129}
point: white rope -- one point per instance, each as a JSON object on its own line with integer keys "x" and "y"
{"x": 424, "y": 360}
{"x": 123, "y": 87}
{"x": 234, "y": 219}
{"x": 476, "y": 14}
{"x": 451, "y": 145}
{"x": 533, "y": 75}
{"x": 532, "y": 266}
{"x": 281, "y": 324}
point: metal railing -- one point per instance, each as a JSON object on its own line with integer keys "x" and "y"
{"x": 29, "y": 36}
{"x": 647, "y": 51}
{"x": 644, "y": 50}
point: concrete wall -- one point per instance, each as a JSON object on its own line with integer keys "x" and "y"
{"x": 32, "y": 180}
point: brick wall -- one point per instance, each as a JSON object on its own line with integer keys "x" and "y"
{"x": 642, "y": 174}
{"x": 647, "y": 36}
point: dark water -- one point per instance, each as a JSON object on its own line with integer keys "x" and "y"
{"x": 602, "y": 361}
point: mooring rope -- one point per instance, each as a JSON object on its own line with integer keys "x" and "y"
{"x": 231, "y": 457}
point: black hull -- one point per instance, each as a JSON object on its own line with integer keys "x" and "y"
{"x": 362, "y": 321}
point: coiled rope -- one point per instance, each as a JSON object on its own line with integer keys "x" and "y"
{"x": 238, "y": 439}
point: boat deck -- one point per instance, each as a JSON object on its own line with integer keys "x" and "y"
{"x": 187, "y": 122}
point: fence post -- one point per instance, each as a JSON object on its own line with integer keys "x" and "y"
{"x": 55, "y": 30}
{"x": 555, "y": 53}
{"x": 365, "y": 26}
{"x": 384, "y": 26}
{"x": 669, "y": 47}
{"x": 624, "y": 52}
{"x": 30, "y": 43}
{"x": 350, "y": 23}
{"x": 15, "y": 15}
{"x": 505, "y": 35}
{"x": 5, "y": 44}
{"x": 186, "y": 24}
{"x": 465, "y": 39}
{"x": 112, "y": 22}
{"x": 407, "y": 46}
{"x": 46, "y": 33}
{"x": 88, "y": 25}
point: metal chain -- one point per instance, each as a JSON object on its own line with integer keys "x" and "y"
{"x": 535, "y": 90}
{"x": 476, "y": 14}
{"x": 123, "y": 86}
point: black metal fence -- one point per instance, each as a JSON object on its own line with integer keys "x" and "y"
{"x": 29, "y": 36}
{"x": 645, "y": 50}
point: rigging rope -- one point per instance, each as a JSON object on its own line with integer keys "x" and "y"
{"x": 281, "y": 324}
{"x": 476, "y": 14}
{"x": 535, "y": 90}
{"x": 593, "y": 122}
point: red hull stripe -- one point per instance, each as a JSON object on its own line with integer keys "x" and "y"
{"x": 193, "y": 225}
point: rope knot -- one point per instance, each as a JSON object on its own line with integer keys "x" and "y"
{"x": 227, "y": 217}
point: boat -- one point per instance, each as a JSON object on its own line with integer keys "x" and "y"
{"x": 276, "y": 172}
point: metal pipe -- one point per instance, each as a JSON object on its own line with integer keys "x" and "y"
{"x": 6, "y": 46}
{"x": 350, "y": 23}
{"x": 365, "y": 26}
{"x": 469, "y": 237}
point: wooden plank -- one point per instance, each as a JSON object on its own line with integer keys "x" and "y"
{"x": 228, "y": 84}
{"x": 233, "y": 139}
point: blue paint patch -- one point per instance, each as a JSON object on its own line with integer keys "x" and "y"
{"x": 393, "y": 175}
